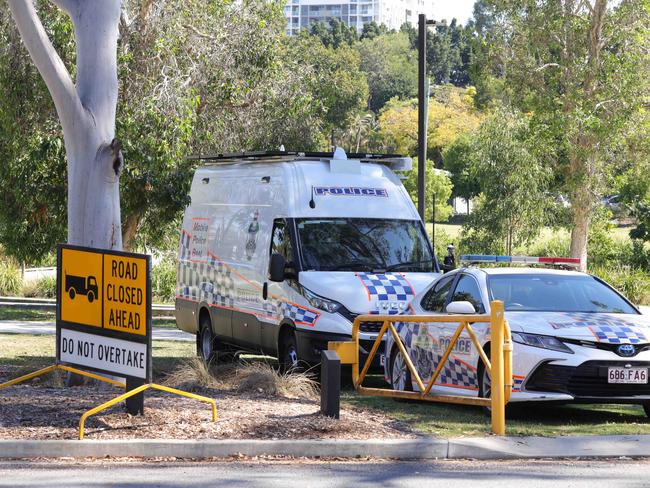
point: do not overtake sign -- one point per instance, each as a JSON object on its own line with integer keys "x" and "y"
{"x": 104, "y": 311}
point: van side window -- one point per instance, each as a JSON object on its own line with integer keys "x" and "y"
{"x": 434, "y": 300}
{"x": 281, "y": 241}
{"x": 467, "y": 290}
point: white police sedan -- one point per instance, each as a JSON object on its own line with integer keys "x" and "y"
{"x": 575, "y": 337}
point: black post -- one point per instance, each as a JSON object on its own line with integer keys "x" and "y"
{"x": 330, "y": 384}
{"x": 135, "y": 404}
{"x": 422, "y": 135}
{"x": 433, "y": 224}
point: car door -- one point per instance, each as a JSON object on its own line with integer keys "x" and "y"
{"x": 461, "y": 369}
{"x": 424, "y": 345}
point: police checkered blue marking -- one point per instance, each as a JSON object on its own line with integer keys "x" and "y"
{"x": 618, "y": 335}
{"x": 606, "y": 328}
{"x": 298, "y": 314}
{"x": 213, "y": 282}
{"x": 388, "y": 287}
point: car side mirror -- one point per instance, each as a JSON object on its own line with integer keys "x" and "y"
{"x": 461, "y": 307}
{"x": 276, "y": 268}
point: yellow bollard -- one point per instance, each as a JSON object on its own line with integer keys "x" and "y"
{"x": 497, "y": 331}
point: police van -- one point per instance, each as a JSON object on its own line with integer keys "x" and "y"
{"x": 280, "y": 251}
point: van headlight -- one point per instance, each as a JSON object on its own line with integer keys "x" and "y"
{"x": 321, "y": 303}
{"x": 542, "y": 341}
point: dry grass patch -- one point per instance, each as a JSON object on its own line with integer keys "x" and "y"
{"x": 244, "y": 377}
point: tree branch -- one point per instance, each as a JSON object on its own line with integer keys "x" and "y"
{"x": 68, "y": 6}
{"x": 47, "y": 61}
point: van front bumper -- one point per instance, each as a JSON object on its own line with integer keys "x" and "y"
{"x": 311, "y": 343}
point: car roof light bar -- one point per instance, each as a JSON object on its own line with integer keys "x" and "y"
{"x": 489, "y": 258}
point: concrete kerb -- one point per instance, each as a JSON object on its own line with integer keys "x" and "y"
{"x": 461, "y": 448}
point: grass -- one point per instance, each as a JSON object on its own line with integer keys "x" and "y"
{"x": 251, "y": 375}
{"x": 445, "y": 420}
{"x": 12, "y": 313}
{"x": 23, "y": 353}
{"x": 175, "y": 363}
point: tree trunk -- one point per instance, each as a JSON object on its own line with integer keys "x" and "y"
{"x": 86, "y": 112}
{"x": 129, "y": 231}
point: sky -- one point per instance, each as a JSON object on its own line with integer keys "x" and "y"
{"x": 448, "y": 9}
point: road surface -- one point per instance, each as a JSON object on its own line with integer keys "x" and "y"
{"x": 443, "y": 474}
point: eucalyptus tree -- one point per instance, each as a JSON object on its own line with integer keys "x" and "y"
{"x": 581, "y": 68}
{"x": 86, "y": 109}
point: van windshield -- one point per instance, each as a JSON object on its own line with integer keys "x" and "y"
{"x": 374, "y": 245}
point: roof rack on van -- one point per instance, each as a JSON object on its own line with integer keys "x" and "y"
{"x": 394, "y": 161}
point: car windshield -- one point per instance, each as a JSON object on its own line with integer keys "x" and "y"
{"x": 556, "y": 293}
{"x": 373, "y": 245}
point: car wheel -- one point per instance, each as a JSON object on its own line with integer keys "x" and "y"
{"x": 400, "y": 375}
{"x": 288, "y": 353}
{"x": 484, "y": 382}
{"x": 71, "y": 293}
{"x": 206, "y": 341}
{"x": 91, "y": 296}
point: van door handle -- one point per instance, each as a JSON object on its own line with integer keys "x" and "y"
{"x": 265, "y": 290}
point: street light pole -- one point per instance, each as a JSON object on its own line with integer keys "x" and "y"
{"x": 423, "y": 95}
{"x": 422, "y": 134}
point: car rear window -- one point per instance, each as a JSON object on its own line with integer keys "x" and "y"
{"x": 556, "y": 293}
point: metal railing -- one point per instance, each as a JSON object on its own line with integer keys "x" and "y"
{"x": 498, "y": 365}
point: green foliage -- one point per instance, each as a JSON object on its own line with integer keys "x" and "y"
{"x": 10, "y": 280}
{"x": 335, "y": 33}
{"x": 436, "y": 183}
{"x": 163, "y": 280}
{"x": 42, "y": 288}
{"x": 634, "y": 283}
{"x": 451, "y": 114}
{"x": 335, "y": 80}
{"x": 511, "y": 208}
{"x": 391, "y": 67}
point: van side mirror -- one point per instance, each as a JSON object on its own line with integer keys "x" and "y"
{"x": 276, "y": 268}
{"x": 461, "y": 307}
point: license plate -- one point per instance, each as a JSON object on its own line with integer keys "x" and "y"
{"x": 382, "y": 360}
{"x": 627, "y": 375}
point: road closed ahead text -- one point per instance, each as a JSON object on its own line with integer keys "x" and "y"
{"x": 125, "y": 302}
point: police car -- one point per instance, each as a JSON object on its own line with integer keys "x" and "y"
{"x": 575, "y": 338}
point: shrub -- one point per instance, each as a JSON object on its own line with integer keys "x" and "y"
{"x": 11, "y": 282}
{"x": 163, "y": 281}
{"x": 634, "y": 283}
{"x": 42, "y": 288}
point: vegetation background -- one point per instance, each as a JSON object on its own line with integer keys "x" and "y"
{"x": 538, "y": 114}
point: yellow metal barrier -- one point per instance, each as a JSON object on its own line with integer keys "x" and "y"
{"x": 115, "y": 400}
{"x": 140, "y": 389}
{"x": 70, "y": 369}
{"x": 499, "y": 365}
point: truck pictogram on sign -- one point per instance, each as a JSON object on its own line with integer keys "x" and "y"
{"x": 81, "y": 285}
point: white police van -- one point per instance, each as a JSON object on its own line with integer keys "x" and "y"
{"x": 280, "y": 251}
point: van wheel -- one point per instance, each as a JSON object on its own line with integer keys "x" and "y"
{"x": 206, "y": 341}
{"x": 400, "y": 375}
{"x": 288, "y": 353}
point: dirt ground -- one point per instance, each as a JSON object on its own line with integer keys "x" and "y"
{"x": 43, "y": 412}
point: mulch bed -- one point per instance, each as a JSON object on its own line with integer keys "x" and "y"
{"x": 43, "y": 412}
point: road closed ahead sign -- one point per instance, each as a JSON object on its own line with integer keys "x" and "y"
{"x": 104, "y": 311}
